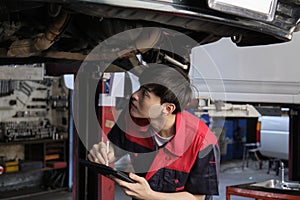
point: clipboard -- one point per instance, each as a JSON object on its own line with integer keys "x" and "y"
{"x": 106, "y": 170}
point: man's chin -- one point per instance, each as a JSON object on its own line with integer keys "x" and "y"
{"x": 135, "y": 116}
{"x": 139, "y": 119}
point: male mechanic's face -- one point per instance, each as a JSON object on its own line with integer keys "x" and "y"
{"x": 145, "y": 104}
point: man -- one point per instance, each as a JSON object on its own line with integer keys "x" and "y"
{"x": 174, "y": 154}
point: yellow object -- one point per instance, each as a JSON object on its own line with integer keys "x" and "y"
{"x": 11, "y": 166}
{"x": 52, "y": 157}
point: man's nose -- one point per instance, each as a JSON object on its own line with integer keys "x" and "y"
{"x": 135, "y": 96}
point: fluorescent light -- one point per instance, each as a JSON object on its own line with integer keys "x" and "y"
{"x": 256, "y": 9}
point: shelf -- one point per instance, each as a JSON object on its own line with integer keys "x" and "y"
{"x": 29, "y": 192}
{"x": 32, "y": 141}
{"x": 44, "y": 164}
{"x": 33, "y": 171}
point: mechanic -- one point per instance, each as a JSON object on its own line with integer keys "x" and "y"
{"x": 174, "y": 154}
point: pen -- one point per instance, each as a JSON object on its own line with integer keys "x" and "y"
{"x": 107, "y": 150}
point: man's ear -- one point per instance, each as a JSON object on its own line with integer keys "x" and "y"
{"x": 169, "y": 108}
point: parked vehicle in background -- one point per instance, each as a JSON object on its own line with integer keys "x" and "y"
{"x": 273, "y": 136}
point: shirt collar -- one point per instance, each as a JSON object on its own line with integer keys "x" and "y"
{"x": 183, "y": 137}
{"x": 177, "y": 145}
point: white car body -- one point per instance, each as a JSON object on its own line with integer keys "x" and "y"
{"x": 274, "y": 137}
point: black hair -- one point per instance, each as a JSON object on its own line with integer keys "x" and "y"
{"x": 170, "y": 83}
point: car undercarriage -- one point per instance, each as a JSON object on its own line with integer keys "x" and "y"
{"x": 65, "y": 31}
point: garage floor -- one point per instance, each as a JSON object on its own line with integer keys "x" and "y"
{"x": 59, "y": 195}
{"x": 231, "y": 174}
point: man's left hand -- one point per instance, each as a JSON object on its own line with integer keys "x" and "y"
{"x": 139, "y": 190}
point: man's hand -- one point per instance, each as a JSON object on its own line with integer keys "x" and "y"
{"x": 100, "y": 154}
{"x": 139, "y": 190}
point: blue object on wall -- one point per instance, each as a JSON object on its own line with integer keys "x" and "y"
{"x": 239, "y": 137}
{"x": 232, "y": 138}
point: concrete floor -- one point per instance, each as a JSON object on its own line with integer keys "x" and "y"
{"x": 231, "y": 174}
{"x": 58, "y": 195}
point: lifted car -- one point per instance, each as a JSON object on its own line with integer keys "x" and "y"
{"x": 67, "y": 30}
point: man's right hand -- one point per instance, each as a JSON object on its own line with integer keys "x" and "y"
{"x": 99, "y": 154}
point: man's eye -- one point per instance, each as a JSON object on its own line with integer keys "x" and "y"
{"x": 144, "y": 92}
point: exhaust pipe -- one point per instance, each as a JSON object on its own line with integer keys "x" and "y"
{"x": 42, "y": 41}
